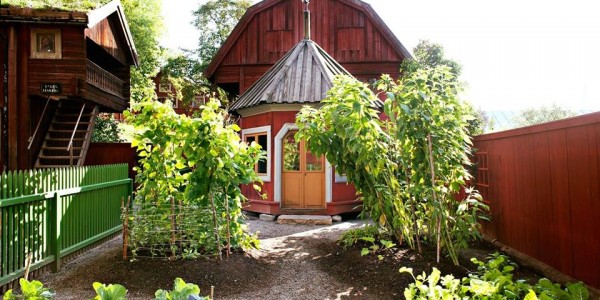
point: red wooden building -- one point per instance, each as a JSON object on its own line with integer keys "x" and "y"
{"x": 277, "y": 67}
{"x": 61, "y": 69}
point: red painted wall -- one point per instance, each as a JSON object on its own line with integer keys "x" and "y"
{"x": 340, "y": 191}
{"x": 543, "y": 186}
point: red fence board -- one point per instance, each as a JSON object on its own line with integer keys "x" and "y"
{"x": 544, "y": 192}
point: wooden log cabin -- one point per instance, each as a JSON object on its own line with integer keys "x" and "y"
{"x": 276, "y": 65}
{"x": 61, "y": 68}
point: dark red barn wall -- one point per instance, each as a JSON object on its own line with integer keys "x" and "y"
{"x": 349, "y": 30}
{"x": 543, "y": 186}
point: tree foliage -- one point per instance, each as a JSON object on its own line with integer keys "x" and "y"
{"x": 106, "y": 129}
{"x": 215, "y": 20}
{"x": 146, "y": 26}
{"x": 429, "y": 54}
{"x": 409, "y": 168}
{"x": 542, "y": 114}
{"x": 185, "y": 74}
{"x": 188, "y": 200}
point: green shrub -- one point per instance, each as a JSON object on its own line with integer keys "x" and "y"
{"x": 353, "y": 236}
{"x": 493, "y": 280}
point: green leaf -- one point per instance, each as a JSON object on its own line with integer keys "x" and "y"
{"x": 364, "y": 251}
{"x": 530, "y": 296}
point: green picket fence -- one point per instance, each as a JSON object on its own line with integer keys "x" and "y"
{"x": 51, "y": 213}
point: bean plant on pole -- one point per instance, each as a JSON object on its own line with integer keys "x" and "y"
{"x": 188, "y": 200}
{"x": 409, "y": 166}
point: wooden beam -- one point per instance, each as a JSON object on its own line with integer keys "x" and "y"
{"x": 24, "y": 113}
{"x": 12, "y": 98}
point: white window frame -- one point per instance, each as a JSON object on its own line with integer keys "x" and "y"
{"x": 267, "y": 130}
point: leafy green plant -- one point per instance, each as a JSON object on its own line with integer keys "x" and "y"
{"x": 109, "y": 292}
{"x": 493, "y": 280}
{"x": 30, "y": 290}
{"x": 408, "y": 168}
{"x": 353, "y": 236}
{"x": 189, "y": 179}
{"x": 181, "y": 291}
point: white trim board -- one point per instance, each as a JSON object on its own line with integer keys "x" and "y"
{"x": 267, "y": 129}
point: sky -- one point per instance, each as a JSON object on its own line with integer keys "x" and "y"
{"x": 516, "y": 54}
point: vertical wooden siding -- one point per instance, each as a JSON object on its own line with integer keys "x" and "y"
{"x": 344, "y": 31}
{"x": 544, "y": 192}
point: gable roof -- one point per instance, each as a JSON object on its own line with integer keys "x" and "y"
{"x": 115, "y": 9}
{"x": 85, "y": 17}
{"x": 266, "y": 4}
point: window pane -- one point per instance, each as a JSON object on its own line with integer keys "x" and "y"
{"x": 262, "y": 141}
{"x": 250, "y": 139}
{"x": 262, "y": 166}
{"x": 291, "y": 153}
{"x": 313, "y": 162}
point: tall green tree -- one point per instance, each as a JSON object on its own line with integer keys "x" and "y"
{"x": 532, "y": 116}
{"x": 432, "y": 55}
{"x": 215, "y": 20}
{"x": 184, "y": 72}
{"x": 146, "y": 26}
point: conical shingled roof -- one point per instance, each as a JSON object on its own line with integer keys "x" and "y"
{"x": 303, "y": 75}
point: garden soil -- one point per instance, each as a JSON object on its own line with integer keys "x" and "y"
{"x": 294, "y": 262}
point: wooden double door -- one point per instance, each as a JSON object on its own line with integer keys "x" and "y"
{"x": 302, "y": 175}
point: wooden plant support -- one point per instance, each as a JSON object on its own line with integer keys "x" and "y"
{"x": 414, "y": 217}
{"x": 27, "y": 265}
{"x": 125, "y": 210}
{"x": 228, "y": 227}
{"x": 173, "y": 240}
{"x": 438, "y": 221}
{"x": 216, "y": 225}
{"x": 212, "y": 292}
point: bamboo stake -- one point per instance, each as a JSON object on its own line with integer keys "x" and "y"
{"x": 438, "y": 221}
{"x": 172, "y": 226}
{"x": 27, "y": 265}
{"x": 214, "y": 211}
{"x": 125, "y": 210}
{"x": 212, "y": 292}
{"x": 228, "y": 226}
{"x": 412, "y": 207}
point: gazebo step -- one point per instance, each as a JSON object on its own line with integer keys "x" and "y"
{"x": 304, "y": 219}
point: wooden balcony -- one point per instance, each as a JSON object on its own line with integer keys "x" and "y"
{"x": 104, "y": 80}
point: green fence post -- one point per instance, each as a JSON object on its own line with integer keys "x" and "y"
{"x": 55, "y": 219}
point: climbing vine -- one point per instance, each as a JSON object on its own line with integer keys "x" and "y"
{"x": 407, "y": 167}
{"x": 188, "y": 201}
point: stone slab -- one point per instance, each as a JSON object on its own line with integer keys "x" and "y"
{"x": 267, "y": 217}
{"x": 304, "y": 219}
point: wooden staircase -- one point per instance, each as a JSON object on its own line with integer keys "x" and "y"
{"x": 69, "y": 135}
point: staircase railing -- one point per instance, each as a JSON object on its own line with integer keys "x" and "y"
{"x": 32, "y": 137}
{"x": 70, "y": 146}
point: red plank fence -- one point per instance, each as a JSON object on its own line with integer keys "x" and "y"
{"x": 543, "y": 186}
{"x": 112, "y": 153}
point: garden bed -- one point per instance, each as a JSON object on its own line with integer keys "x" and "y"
{"x": 295, "y": 262}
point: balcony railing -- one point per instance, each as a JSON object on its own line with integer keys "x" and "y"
{"x": 104, "y": 80}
